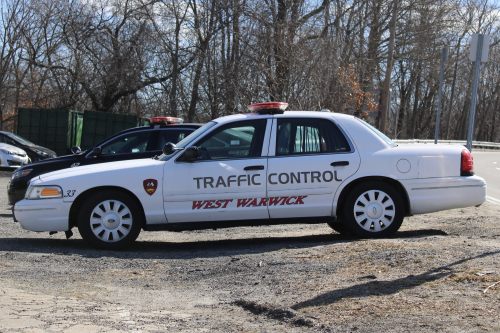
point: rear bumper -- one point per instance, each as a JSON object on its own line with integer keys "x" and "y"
{"x": 436, "y": 194}
{"x": 43, "y": 215}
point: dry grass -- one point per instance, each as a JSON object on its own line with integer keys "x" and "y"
{"x": 472, "y": 276}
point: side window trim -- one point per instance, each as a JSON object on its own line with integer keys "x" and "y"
{"x": 267, "y": 145}
{"x": 273, "y": 138}
{"x": 153, "y": 140}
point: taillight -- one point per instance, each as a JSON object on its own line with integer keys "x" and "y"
{"x": 467, "y": 164}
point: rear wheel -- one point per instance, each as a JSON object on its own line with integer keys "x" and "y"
{"x": 374, "y": 210}
{"x": 110, "y": 220}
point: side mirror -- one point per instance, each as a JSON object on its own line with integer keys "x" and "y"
{"x": 191, "y": 154}
{"x": 168, "y": 148}
{"x": 76, "y": 150}
{"x": 96, "y": 151}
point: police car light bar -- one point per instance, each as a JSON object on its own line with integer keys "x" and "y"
{"x": 168, "y": 120}
{"x": 268, "y": 107}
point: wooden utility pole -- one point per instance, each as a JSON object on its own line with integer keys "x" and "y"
{"x": 388, "y": 71}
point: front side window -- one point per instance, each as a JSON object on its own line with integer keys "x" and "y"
{"x": 136, "y": 142}
{"x": 309, "y": 136}
{"x": 243, "y": 139}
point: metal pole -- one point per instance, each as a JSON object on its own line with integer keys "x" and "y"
{"x": 443, "y": 60}
{"x": 475, "y": 83}
{"x": 396, "y": 124}
{"x": 451, "y": 99}
{"x": 388, "y": 70}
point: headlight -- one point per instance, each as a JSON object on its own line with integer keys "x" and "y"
{"x": 43, "y": 192}
{"x": 39, "y": 152}
{"x": 8, "y": 152}
{"x": 20, "y": 173}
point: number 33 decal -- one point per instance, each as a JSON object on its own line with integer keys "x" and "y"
{"x": 70, "y": 193}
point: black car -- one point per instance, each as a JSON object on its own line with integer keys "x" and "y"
{"x": 134, "y": 143}
{"x": 35, "y": 153}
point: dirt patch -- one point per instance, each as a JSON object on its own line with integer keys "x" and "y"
{"x": 439, "y": 273}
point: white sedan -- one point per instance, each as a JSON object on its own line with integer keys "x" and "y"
{"x": 267, "y": 167}
{"x": 12, "y": 157}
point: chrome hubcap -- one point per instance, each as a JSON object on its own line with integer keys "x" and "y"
{"x": 374, "y": 211}
{"x": 111, "y": 221}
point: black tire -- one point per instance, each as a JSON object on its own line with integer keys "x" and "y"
{"x": 374, "y": 210}
{"x": 341, "y": 228}
{"x": 110, "y": 220}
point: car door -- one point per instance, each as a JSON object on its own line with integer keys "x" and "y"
{"x": 308, "y": 160}
{"x": 227, "y": 181}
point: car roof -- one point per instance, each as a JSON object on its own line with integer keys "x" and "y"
{"x": 286, "y": 114}
{"x": 148, "y": 127}
{"x": 193, "y": 126}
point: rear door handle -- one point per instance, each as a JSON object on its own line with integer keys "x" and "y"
{"x": 254, "y": 167}
{"x": 341, "y": 163}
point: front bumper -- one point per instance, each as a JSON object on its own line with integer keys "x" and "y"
{"x": 43, "y": 215}
{"x": 16, "y": 189}
{"x": 435, "y": 194}
{"x": 12, "y": 161}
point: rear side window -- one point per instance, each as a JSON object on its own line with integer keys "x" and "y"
{"x": 309, "y": 136}
{"x": 135, "y": 142}
{"x": 171, "y": 135}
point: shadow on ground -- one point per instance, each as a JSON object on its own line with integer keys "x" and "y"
{"x": 381, "y": 288}
{"x": 188, "y": 249}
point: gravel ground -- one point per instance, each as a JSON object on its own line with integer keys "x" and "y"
{"x": 432, "y": 276}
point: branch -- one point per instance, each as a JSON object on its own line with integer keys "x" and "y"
{"x": 312, "y": 13}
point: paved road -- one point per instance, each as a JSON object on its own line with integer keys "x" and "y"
{"x": 487, "y": 165}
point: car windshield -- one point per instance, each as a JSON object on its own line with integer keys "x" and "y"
{"x": 380, "y": 134}
{"x": 21, "y": 140}
{"x": 190, "y": 138}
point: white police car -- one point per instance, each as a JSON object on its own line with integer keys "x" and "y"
{"x": 267, "y": 167}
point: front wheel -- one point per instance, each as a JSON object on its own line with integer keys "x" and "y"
{"x": 374, "y": 210}
{"x": 110, "y": 220}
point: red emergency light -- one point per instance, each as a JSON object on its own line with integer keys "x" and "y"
{"x": 268, "y": 107}
{"x": 167, "y": 120}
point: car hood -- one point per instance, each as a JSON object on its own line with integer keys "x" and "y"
{"x": 113, "y": 167}
{"x": 12, "y": 148}
{"x": 51, "y": 161}
{"x": 46, "y": 150}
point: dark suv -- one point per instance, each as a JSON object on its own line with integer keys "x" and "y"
{"x": 35, "y": 153}
{"x": 134, "y": 143}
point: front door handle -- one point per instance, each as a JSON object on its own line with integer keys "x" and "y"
{"x": 254, "y": 167}
{"x": 341, "y": 163}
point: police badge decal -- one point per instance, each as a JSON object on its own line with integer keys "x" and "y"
{"x": 150, "y": 186}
